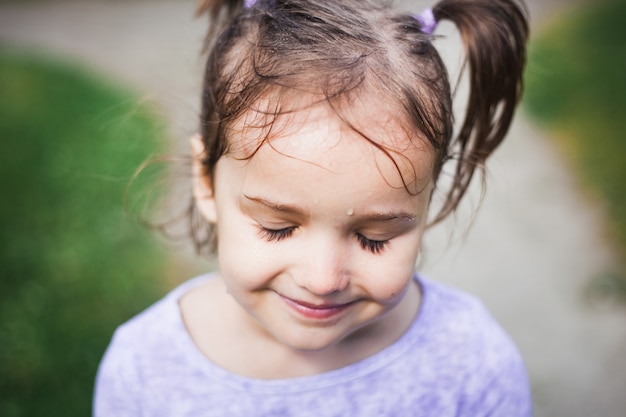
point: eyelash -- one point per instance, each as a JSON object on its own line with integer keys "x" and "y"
{"x": 276, "y": 234}
{"x": 373, "y": 246}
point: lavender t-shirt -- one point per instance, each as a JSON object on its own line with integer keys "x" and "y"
{"x": 454, "y": 360}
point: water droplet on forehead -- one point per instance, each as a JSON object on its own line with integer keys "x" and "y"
{"x": 350, "y": 212}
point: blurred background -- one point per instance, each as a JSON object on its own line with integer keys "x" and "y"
{"x": 89, "y": 90}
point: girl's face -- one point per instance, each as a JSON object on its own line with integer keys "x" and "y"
{"x": 317, "y": 236}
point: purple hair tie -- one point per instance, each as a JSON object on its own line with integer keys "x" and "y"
{"x": 427, "y": 21}
{"x": 248, "y": 3}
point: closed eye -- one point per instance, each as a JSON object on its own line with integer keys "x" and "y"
{"x": 374, "y": 246}
{"x": 276, "y": 235}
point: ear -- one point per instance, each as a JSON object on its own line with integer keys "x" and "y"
{"x": 202, "y": 188}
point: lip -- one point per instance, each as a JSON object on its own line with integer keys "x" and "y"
{"x": 316, "y": 311}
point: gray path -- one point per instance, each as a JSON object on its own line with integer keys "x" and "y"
{"x": 536, "y": 241}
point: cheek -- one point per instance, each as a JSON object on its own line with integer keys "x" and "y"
{"x": 389, "y": 289}
{"x": 244, "y": 258}
{"x": 389, "y": 276}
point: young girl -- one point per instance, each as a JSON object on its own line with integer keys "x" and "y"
{"x": 324, "y": 129}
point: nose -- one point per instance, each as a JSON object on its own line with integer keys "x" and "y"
{"x": 324, "y": 268}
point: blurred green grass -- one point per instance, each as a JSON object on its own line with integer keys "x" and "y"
{"x": 576, "y": 87}
{"x": 73, "y": 265}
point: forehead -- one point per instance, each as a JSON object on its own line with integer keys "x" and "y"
{"x": 308, "y": 128}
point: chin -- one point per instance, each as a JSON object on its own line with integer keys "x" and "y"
{"x": 310, "y": 344}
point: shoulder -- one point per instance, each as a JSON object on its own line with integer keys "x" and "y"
{"x": 141, "y": 350}
{"x": 157, "y": 322}
{"x": 459, "y": 315}
{"x": 456, "y": 316}
{"x": 493, "y": 378}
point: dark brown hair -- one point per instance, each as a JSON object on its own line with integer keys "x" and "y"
{"x": 343, "y": 47}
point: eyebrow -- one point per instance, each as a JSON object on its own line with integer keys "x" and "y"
{"x": 293, "y": 209}
{"x": 288, "y": 208}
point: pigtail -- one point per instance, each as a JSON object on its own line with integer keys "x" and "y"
{"x": 495, "y": 35}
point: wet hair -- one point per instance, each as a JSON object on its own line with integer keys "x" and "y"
{"x": 338, "y": 49}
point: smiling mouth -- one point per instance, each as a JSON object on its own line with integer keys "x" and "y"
{"x": 316, "y": 311}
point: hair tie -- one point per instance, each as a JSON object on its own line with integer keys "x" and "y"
{"x": 427, "y": 21}
{"x": 248, "y": 3}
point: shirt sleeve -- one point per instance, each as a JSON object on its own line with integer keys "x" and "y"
{"x": 118, "y": 384}
{"x": 507, "y": 394}
{"x": 499, "y": 385}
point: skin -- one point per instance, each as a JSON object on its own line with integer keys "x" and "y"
{"x": 318, "y": 240}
